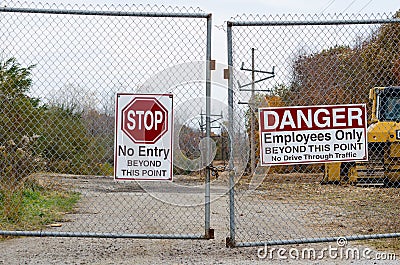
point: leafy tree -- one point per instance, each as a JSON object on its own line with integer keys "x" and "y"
{"x": 15, "y": 80}
{"x": 189, "y": 139}
{"x": 67, "y": 136}
{"x": 381, "y": 55}
{"x": 19, "y": 113}
{"x": 343, "y": 74}
{"x": 327, "y": 77}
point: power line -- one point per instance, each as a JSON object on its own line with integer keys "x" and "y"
{"x": 329, "y": 4}
{"x": 369, "y": 2}
{"x": 352, "y": 2}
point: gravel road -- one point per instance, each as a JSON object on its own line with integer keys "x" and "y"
{"x": 99, "y": 211}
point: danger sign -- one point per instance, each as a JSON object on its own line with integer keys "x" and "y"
{"x": 313, "y": 134}
{"x": 143, "y": 143}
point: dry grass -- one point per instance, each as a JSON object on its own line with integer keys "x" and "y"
{"x": 356, "y": 210}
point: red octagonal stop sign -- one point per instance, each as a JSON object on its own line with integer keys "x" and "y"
{"x": 144, "y": 120}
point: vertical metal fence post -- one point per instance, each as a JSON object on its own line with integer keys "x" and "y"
{"x": 230, "y": 242}
{"x": 208, "y": 232}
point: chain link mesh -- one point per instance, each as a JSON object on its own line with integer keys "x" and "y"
{"x": 59, "y": 74}
{"x": 316, "y": 60}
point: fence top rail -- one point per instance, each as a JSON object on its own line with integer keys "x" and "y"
{"x": 313, "y": 23}
{"x": 104, "y": 13}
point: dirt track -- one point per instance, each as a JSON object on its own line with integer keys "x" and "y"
{"x": 99, "y": 212}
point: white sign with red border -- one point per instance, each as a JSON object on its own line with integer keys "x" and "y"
{"x": 143, "y": 136}
{"x": 313, "y": 134}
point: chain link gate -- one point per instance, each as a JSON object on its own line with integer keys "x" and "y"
{"x": 319, "y": 60}
{"x": 60, "y": 69}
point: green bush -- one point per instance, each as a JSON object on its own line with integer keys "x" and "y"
{"x": 70, "y": 139}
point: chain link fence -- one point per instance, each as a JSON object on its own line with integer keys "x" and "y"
{"x": 60, "y": 68}
{"x": 321, "y": 60}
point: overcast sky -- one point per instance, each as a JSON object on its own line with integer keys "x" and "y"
{"x": 232, "y": 7}
{"x": 223, "y": 10}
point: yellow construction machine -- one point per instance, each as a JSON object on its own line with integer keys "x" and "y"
{"x": 383, "y": 134}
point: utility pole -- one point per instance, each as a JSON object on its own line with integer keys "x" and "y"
{"x": 251, "y": 104}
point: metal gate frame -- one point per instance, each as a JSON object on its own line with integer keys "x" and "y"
{"x": 231, "y": 240}
{"x": 208, "y": 232}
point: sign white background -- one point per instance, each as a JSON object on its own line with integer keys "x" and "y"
{"x": 142, "y": 161}
{"x": 312, "y": 134}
